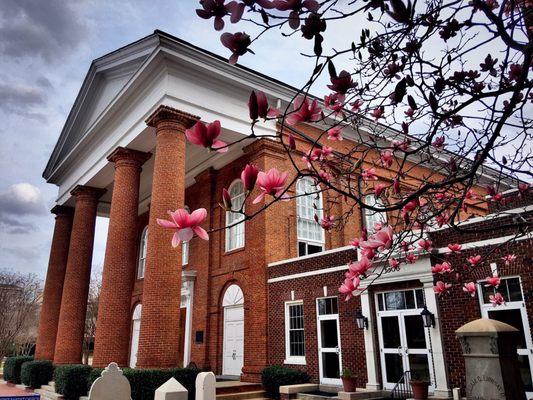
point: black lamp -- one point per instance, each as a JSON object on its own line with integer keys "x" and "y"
{"x": 362, "y": 321}
{"x": 428, "y": 318}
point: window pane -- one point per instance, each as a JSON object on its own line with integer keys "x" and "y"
{"x": 328, "y": 333}
{"x": 514, "y": 289}
{"x": 327, "y": 306}
{"x": 393, "y": 367}
{"x": 525, "y": 372}
{"x": 373, "y": 217}
{"x": 420, "y": 303}
{"x": 409, "y": 299}
{"x": 235, "y": 234}
{"x": 296, "y": 330}
{"x": 307, "y": 206}
{"x": 394, "y": 301}
{"x": 391, "y": 332}
{"x": 330, "y": 365}
{"x": 419, "y": 366}
{"x": 513, "y": 318}
{"x": 414, "y": 331}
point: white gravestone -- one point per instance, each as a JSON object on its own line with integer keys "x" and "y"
{"x": 171, "y": 390}
{"x": 112, "y": 385}
{"x": 205, "y": 386}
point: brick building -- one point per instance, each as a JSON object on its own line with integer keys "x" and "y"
{"x": 222, "y": 303}
{"x": 312, "y": 328}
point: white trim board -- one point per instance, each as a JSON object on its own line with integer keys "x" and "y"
{"x": 308, "y": 256}
{"x": 487, "y": 242}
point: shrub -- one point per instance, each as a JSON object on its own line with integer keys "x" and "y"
{"x": 37, "y": 373}
{"x": 274, "y": 377}
{"x": 12, "y": 367}
{"x": 71, "y": 380}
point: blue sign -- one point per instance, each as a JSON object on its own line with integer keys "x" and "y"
{"x": 23, "y": 397}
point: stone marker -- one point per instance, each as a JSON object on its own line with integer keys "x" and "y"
{"x": 112, "y": 385}
{"x": 171, "y": 390}
{"x": 205, "y": 386}
{"x": 491, "y": 361}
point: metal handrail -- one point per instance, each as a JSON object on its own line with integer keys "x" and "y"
{"x": 402, "y": 389}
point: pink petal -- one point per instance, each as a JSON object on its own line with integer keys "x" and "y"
{"x": 202, "y": 234}
{"x": 259, "y": 198}
{"x": 166, "y": 224}
{"x": 185, "y": 234}
{"x": 175, "y": 239}
{"x": 220, "y": 146}
{"x": 197, "y": 217}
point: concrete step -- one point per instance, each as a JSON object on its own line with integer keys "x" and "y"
{"x": 49, "y": 387}
{"x": 231, "y": 387}
{"x": 48, "y": 395}
{"x": 256, "y": 394}
{"x": 52, "y": 384}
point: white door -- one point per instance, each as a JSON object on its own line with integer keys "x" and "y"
{"x": 329, "y": 341}
{"x": 404, "y": 342}
{"x": 513, "y": 313}
{"x": 233, "y": 351}
{"x": 135, "y": 331}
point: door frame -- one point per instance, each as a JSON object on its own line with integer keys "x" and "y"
{"x": 402, "y": 350}
{"x": 512, "y": 305}
{"x": 226, "y": 308}
{"x": 338, "y": 350}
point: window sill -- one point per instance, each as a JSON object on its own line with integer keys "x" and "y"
{"x": 295, "y": 361}
{"x": 233, "y": 251}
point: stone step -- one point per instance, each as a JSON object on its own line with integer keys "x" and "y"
{"x": 48, "y": 395}
{"x": 231, "y": 387}
{"x": 52, "y": 384}
{"x": 49, "y": 387}
{"x": 256, "y": 394}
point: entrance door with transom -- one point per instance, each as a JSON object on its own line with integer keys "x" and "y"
{"x": 329, "y": 341}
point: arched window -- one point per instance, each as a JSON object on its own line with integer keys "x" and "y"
{"x": 308, "y": 203}
{"x": 373, "y": 217}
{"x": 235, "y": 234}
{"x": 142, "y": 254}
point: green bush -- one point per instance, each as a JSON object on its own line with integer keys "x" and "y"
{"x": 144, "y": 382}
{"x": 12, "y": 367}
{"x": 71, "y": 380}
{"x": 274, "y": 377}
{"x": 37, "y": 373}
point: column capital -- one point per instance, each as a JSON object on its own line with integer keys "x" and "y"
{"x": 88, "y": 192}
{"x": 62, "y": 210}
{"x": 166, "y": 113}
{"x": 125, "y": 156}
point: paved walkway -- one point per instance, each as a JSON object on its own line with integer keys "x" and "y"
{"x": 10, "y": 390}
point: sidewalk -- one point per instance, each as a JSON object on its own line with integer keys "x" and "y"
{"x": 9, "y": 390}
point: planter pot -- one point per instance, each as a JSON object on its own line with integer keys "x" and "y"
{"x": 420, "y": 390}
{"x": 349, "y": 384}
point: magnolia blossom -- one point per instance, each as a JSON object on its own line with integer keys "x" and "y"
{"x": 349, "y": 286}
{"x": 295, "y": 6}
{"x": 380, "y": 240}
{"x": 474, "y": 260}
{"x": 238, "y": 44}
{"x": 496, "y": 299}
{"x": 304, "y": 112}
{"x": 387, "y": 158}
{"x": 359, "y": 267}
{"x": 249, "y": 176}
{"x": 438, "y": 143}
{"x": 354, "y": 242}
{"x": 369, "y": 174}
{"x": 394, "y": 263}
{"x": 327, "y": 222}
{"x": 377, "y": 113}
{"x": 335, "y": 133}
{"x": 411, "y": 258}
{"x": 356, "y": 105}
{"x": 379, "y": 188}
{"x": 455, "y": 247}
{"x": 226, "y": 199}
{"x": 271, "y": 183}
{"x": 335, "y": 102}
{"x": 185, "y": 225}
{"x": 493, "y": 281}
{"x": 509, "y": 258}
{"x": 425, "y": 244}
{"x": 342, "y": 83}
{"x": 206, "y": 135}
{"x": 217, "y": 9}
{"x": 258, "y": 106}
{"x": 470, "y": 288}
{"x": 443, "y": 268}
{"x": 441, "y": 287}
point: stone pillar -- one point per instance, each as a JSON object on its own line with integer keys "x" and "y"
{"x": 371, "y": 345}
{"x": 69, "y": 342}
{"x": 158, "y": 341}
{"x": 118, "y": 278}
{"x": 53, "y": 288}
{"x": 491, "y": 361}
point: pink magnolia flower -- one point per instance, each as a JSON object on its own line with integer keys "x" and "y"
{"x": 380, "y": 240}
{"x": 325, "y": 152}
{"x": 258, "y": 106}
{"x": 493, "y": 281}
{"x": 356, "y": 105}
{"x": 334, "y": 102}
{"x": 335, "y": 133}
{"x": 368, "y": 252}
{"x": 226, "y": 199}
{"x": 217, "y": 9}
{"x": 496, "y": 299}
{"x": 327, "y": 222}
{"x": 206, "y": 135}
{"x": 474, "y": 260}
{"x": 394, "y": 263}
{"x": 379, "y": 188}
{"x": 387, "y": 158}
{"x": 354, "y": 242}
{"x": 324, "y": 175}
{"x": 377, "y": 113}
{"x": 237, "y": 43}
{"x": 291, "y": 142}
{"x": 185, "y": 225}
{"x": 296, "y": 6}
{"x": 425, "y": 244}
{"x": 349, "y": 286}
{"x": 369, "y": 174}
{"x": 509, "y": 258}
{"x": 455, "y": 247}
{"x": 249, "y": 176}
{"x": 443, "y": 268}
{"x": 401, "y": 145}
{"x": 271, "y": 183}
{"x": 441, "y": 287}
{"x": 304, "y": 112}
{"x": 378, "y": 226}
{"x": 439, "y": 142}
{"x": 342, "y": 83}
{"x": 411, "y": 258}
{"x": 470, "y": 288}
{"x": 360, "y": 267}
{"x": 523, "y": 188}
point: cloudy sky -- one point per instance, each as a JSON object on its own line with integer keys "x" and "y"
{"x": 46, "y": 48}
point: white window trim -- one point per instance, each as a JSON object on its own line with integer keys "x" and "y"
{"x": 377, "y": 216}
{"x": 227, "y": 247}
{"x": 508, "y": 304}
{"x": 141, "y": 262}
{"x": 292, "y": 360}
{"x": 319, "y": 213}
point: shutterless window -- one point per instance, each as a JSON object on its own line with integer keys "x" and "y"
{"x": 235, "y": 234}
{"x": 295, "y": 330}
{"x": 509, "y": 288}
{"x": 308, "y": 204}
{"x": 142, "y": 254}
{"x": 373, "y": 217}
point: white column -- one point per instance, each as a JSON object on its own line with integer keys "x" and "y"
{"x": 371, "y": 347}
{"x": 187, "y": 292}
{"x": 437, "y": 352}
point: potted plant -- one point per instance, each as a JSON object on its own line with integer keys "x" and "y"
{"x": 420, "y": 385}
{"x": 349, "y": 380}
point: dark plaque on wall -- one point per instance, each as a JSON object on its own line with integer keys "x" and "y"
{"x": 199, "y": 337}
